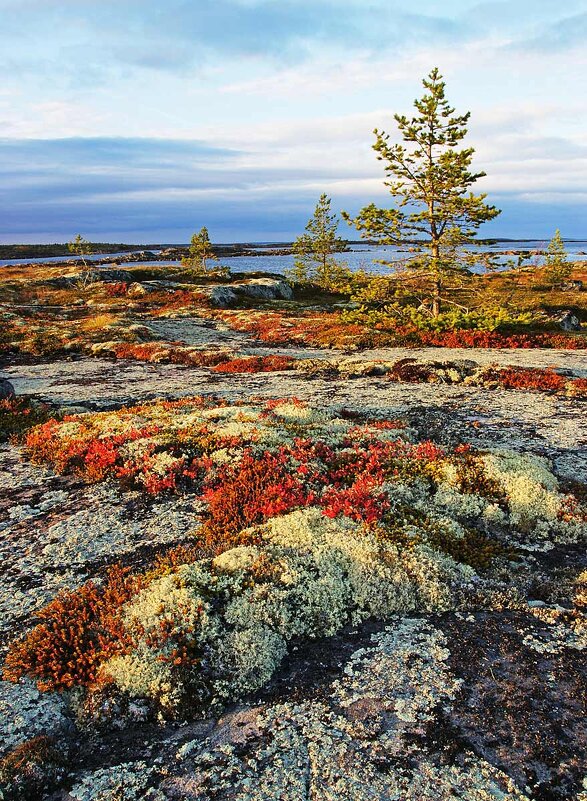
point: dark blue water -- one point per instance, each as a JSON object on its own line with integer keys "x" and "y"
{"x": 361, "y": 257}
{"x": 365, "y": 257}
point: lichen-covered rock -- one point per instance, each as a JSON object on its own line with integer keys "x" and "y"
{"x": 223, "y": 297}
{"x": 6, "y": 389}
{"x": 26, "y": 713}
{"x": 264, "y": 288}
{"x": 366, "y": 740}
{"x": 129, "y": 781}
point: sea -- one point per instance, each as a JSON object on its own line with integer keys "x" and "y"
{"x": 359, "y": 257}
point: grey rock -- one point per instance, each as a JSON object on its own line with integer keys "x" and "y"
{"x": 138, "y": 290}
{"x": 221, "y": 296}
{"x": 568, "y": 321}
{"x": 571, "y": 286}
{"x": 264, "y": 288}
{"x": 226, "y": 295}
{"x": 6, "y": 389}
{"x": 88, "y": 277}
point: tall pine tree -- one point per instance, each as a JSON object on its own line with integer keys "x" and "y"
{"x": 429, "y": 178}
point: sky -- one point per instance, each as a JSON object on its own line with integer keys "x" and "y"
{"x": 143, "y": 120}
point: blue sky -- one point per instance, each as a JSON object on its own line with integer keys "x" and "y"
{"x": 142, "y": 120}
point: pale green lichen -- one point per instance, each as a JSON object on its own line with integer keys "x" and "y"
{"x": 359, "y": 743}
{"x": 25, "y": 713}
{"x": 322, "y": 574}
{"x": 129, "y": 781}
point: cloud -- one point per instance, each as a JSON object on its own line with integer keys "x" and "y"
{"x": 152, "y": 189}
{"x": 98, "y": 38}
{"x": 559, "y": 36}
{"x": 134, "y": 112}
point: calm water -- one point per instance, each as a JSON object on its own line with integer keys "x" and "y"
{"x": 362, "y": 257}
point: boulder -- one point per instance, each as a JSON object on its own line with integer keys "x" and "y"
{"x": 142, "y": 332}
{"x": 138, "y": 290}
{"x": 225, "y": 295}
{"x": 568, "y": 321}
{"x": 571, "y": 286}
{"x": 88, "y": 277}
{"x": 6, "y": 389}
{"x": 140, "y": 255}
{"x": 264, "y": 288}
{"x": 353, "y": 368}
{"x": 221, "y": 296}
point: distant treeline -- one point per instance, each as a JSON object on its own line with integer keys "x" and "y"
{"x": 18, "y": 251}
{"x": 60, "y": 249}
{"x": 233, "y": 249}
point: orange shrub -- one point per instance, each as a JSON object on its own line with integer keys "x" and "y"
{"x": 577, "y": 387}
{"x": 79, "y": 631}
{"x": 328, "y": 329}
{"x": 255, "y": 364}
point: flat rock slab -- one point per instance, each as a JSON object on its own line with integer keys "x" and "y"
{"x": 196, "y": 331}
{"x": 525, "y": 421}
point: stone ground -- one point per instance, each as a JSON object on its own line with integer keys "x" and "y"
{"x": 519, "y": 712}
{"x": 548, "y": 425}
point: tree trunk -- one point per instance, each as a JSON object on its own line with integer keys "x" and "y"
{"x": 437, "y": 281}
{"x": 436, "y": 299}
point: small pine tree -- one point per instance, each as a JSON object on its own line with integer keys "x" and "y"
{"x": 430, "y": 181}
{"x": 200, "y": 254}
{"x": 80, "y": 247}
{"x": 557, "y": 268}
{"x": 314, "y": 250}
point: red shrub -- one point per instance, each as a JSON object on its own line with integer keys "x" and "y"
{"x": 116, "y": 290}
{"x": 179, "y": 299}
{"x": 248, "y": 493}
{"x": 529, "y": 378}
{"x": 167, "y": 352}
{"x": 92, "y": 458}
{"x": 358, "y": 502}
{"x": 309, "y": 473}
{"x": 326, "y": 329}
{"x": 255, "y": 364}
{"x": 139, "y": 352}
{"x": 577, "y": 387}
{"x": 494, "y": 339}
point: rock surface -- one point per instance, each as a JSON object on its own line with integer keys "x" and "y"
{"x": 476, "y": 706}
{"x": 6, "y": 389}
{"x": 226, "y": 295}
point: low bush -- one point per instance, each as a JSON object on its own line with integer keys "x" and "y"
{"x": 78, "y": 631}
{"x": 336, "y": 330}
{"x": 32, "y": 769}
{"x": 256, "y": 364}
{"x": 19, "y": 414}
{"x": 312, "y": 521}
{"x": 527, "y": 378}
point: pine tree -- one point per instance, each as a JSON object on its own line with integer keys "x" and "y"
{"x": 80, "y": 247}
{"x": 557, "y": 268}
{"x": 429, "y": 181}
{"x": 314, "y": 250}
{"x": 200, "y": 253}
